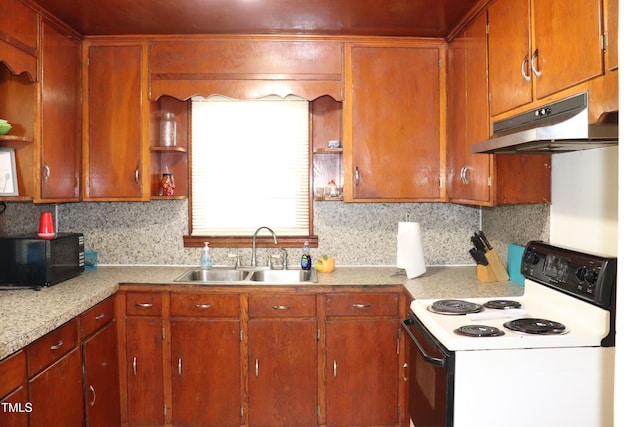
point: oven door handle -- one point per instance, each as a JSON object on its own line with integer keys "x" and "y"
{"x": 429, "y": 359}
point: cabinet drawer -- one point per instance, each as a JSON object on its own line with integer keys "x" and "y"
{"x": 282, "y": 305}
{"x": 362, "y": 305}
{"x": 96, "y": 317}
{"x": 51, "y": 347}
{"x": 196, "y": 305}
{"x": 143, "y": 304}
{"x": 13, "y": 372}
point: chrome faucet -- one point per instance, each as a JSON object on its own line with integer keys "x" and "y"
{"x": 253, "y": 243}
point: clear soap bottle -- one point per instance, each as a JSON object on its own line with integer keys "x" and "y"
{"x": 305, "y": 261}
{"x": 205, "y": 261}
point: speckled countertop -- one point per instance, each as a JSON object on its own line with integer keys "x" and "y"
{"x": 26, "y": 315}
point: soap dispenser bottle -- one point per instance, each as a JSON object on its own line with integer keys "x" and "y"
{"x": 305, "y": 261}
{"x": 205, "y": 261}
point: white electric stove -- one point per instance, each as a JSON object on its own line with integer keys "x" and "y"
{"x": 542, "y": 359}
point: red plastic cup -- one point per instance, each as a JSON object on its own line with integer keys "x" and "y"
{"x": 46, "y": 230}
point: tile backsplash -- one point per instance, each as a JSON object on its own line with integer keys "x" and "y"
{"x": 353, "y": 233}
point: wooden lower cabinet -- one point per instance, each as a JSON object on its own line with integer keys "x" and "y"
{"x": 14, "y": 411}
{"x": 205, "y": 360}
{"x": 56, "y": 393}
{"x": 283, "y": 357}
{"x": 362, "y": 360}
{"x": 102, "y": 400}
{"x": 257, "y": 357}
{"x": 145, "y": 396}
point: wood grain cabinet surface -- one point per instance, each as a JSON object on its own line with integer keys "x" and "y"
{"x": 115, "y": 141}
{"x": 392, "y": 122}
{"x": 59, "y": 157}
{"x": 525, "y": 65}
{"x": 483, "y": 179}
{"x": 220, "y": 356}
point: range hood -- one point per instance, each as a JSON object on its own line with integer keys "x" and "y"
{"x": 559, "y": 127}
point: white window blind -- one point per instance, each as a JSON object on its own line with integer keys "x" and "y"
{"x": 250, "y": 166}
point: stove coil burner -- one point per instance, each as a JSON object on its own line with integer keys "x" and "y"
{"x": 529, "y": 325}
{"x": 502, "y": 304}
{"x": 479, "y": 331}
{"x": 454, "y": 306}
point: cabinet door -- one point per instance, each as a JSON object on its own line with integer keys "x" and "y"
{"x": 56, "y": 393}
{"x": 18, "y": 415}
{"x": 395, "y": 123}
{"x": 61, "y": 116}
{"x": 362, "y": 372}
{"x": 114, "y": 161}
{"x": 205, "y": 372}
{"x": 509, "y": 55}
{"x": 468, "y": 116}
{"x": 283, "y": 375}
{"x": 145, "y": 396}
{"x": 567, "y": 37}
{"x": 102, "y": 399}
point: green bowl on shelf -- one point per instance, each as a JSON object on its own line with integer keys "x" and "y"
{"x": 4, "y": 127}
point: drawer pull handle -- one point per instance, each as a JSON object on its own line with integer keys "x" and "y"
{"x": 335, "y": 369}
{"x": 404, "y": 372}
{"x": 281, "y": 307}
{"x": 202, "y": 306}
{"x": 93, "y": 395}
{"x": 57, "y": 345}
{"x": 257, "y": 368}
{"x": 361, "y": 306}
{"x": 135, "y": 365}
{"x": 144, "y": 304}
{"x": 100, "y": 316}
{"x": 180, "y": 366}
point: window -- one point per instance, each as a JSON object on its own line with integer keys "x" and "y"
{"x": 250, "y": 167}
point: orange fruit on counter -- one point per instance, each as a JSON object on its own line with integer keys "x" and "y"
{"x": 325, "y": 264}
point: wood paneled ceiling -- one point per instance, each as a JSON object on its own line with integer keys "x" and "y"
{"x": 405, "y": 18}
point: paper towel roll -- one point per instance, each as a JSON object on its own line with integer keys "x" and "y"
{"x": 410, "y": 253}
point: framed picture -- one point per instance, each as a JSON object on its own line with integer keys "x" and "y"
{"x": 8, "y": 177}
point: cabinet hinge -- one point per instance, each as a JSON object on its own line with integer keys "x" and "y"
{"x": 604, "y": 39}
{"x": 164, "y": 410}
{"x": 487, "y": 29}
{"x": 163, "y": 334}
{"x": 439, "y": 63}
{"x": 241, "y": 335}
{"x": 318, "y": 410}
{"x": 241, "y": 411}
{"x": 439, "y": 182}
{"x": 318, "y": 334}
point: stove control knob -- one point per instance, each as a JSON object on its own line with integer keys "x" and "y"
{"x": 591, "y": 276}
{"x": 531, "y": 258}
{"x": 581, "y": 273}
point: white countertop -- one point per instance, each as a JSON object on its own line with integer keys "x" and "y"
{"x": 26, "y": 315}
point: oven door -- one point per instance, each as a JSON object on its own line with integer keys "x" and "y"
{"x": 431, "y": 369}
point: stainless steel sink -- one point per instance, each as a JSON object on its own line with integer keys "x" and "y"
{"x": 284, "y": 276}
{"x": 248, "y": 276}
{"x": 213, "y": 275}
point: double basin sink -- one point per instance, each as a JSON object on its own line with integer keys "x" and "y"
{"x": 219, "y": 275}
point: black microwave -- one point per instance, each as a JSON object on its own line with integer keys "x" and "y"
{"x": 28, "y": 260}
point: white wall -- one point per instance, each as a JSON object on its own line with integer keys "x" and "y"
{"x": 584, "y": 200}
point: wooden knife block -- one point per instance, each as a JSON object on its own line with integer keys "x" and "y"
{"x": 495, "y": 271}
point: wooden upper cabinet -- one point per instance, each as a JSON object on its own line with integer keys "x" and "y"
{"x": 392, "y": 135}
{"x": 61, "y": 130}
{"x": 19, "y": 38}
{"x": 612, "y": 34}
{"x": 245, "y": 68}
{"x": 533, "y": 48}
{"x": 468, "y": 116}
{"x": 116, "y": 148}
